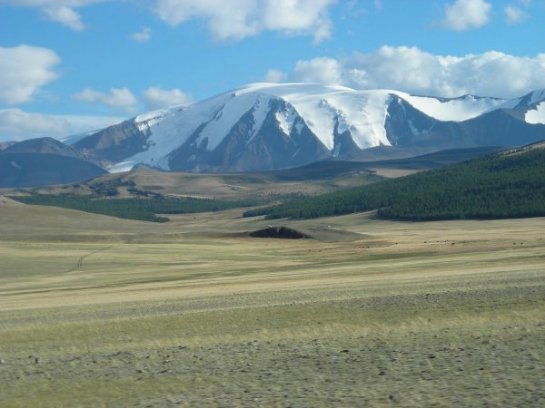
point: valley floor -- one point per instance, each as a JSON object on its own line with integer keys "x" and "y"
{"x": 101, "y": 312}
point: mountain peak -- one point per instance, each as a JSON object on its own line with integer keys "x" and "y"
{"x": 530, "y": 100}
{"x": 264, "y": 126}
{"x": 282, "y": 88}
{"x": 42, "y": 145}
{"x": 536, "y": 96}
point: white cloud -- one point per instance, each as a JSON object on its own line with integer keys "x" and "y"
{"x": 122, "y": 99}
{"x": 251, "y": 17}
{"x": 321, "y": 70}
{"x": 517, "y": 13}
{"x": 514, "y": 15}
{"x": 16, "y": 124}
{"x": 413, "y": 70}
{"x": 143, "y": 35}
{"x": 224, "y": 22}
{"x": 60, "y": 11}
{"x": 274, "y": 75}
{"x": 23, "y": 70}
{"x": 298, "y": 16}
{"x": 467, "y": 14}
{"x": 117, "y": 98}
{"x": 157, "y": 98}
{"x": 51, "y": 3}
{"x": 244, "y": 18}
{"x": 66, "y": 16}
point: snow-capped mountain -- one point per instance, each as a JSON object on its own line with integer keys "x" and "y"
{"x": 531, "y": 106}
{"x": 270, "y": 126}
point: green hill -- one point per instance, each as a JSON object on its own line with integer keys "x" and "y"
{"x": 510, "y": 184}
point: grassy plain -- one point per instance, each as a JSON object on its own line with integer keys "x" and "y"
{"x": 102, "y": 312}
{"x": 220, "y": 186}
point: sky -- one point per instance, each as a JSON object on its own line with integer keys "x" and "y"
{"x": 73, "y": 66}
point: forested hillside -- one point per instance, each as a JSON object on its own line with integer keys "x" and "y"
{"x": 503, "y": 185}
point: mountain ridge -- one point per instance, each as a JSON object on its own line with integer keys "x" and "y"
{"x": 266, "y": 126}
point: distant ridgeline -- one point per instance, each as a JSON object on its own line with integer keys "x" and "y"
{"x": 143, "y": 209}
{"x": 502, "y": 185}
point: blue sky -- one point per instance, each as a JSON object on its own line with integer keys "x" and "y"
{"x": 69, "y": 66}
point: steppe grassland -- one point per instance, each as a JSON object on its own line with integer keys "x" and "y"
{"x": 104, "y": 312}
{"x": 229, "y": 186}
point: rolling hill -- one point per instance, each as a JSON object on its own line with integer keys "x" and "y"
{"x": 43, "y": 169}
{"x": 42, "y": 162}
{"x": 508, "y": 184}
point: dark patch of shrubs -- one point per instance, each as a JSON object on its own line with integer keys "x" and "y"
{"x": 279, "y": 232}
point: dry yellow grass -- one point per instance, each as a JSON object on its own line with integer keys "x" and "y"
{"x": 201, "y": 185}
{"x": 96, "y": 311}
{"x": 393, "y": 172}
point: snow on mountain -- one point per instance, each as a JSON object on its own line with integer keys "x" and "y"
{"x": 267, "y": 125}
{"x": 456, "y": 109}
{"x": 536, "y": 96}
{"x": 532, "y": 106}
{"x": 323, "y": 108}
{"x": 167, "y": 129}
{"x": 527, "y": 101}
{"x": 72, "y": 139}
{"x": 326, "y": 110}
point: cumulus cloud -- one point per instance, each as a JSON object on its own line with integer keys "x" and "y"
{"x": 413, "y": 70}
{"x": 117, "y": 98}
{"x": 16, "y": 124}
{"x": 274, "y": 75}
{"x": 66, "y": 16}
{"x": 251, "y": 17}
{"x": 60, "y": 11}
{"x": 322, "y": 70}
{"x": 24, "y": 70}
{"x": 226, "y": 22}
{"x": 143, "y": 35}
{"x": 467, "y": 14}
{"x": 298, "y": 16}
{"x": 157, "y": 98}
